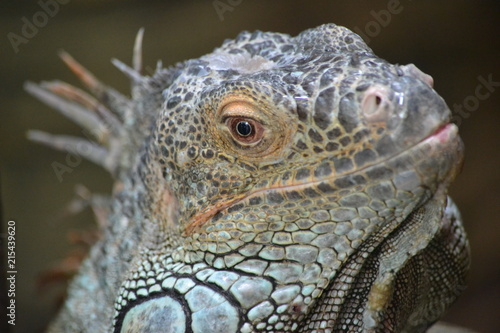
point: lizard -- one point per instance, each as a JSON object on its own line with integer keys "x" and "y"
{"x": 277, "y": 184}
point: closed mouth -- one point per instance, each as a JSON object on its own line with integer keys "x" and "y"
{"x": 442, "y": 134}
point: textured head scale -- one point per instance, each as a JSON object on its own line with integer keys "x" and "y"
{"x": 277, "y": 184}
{"x": 323, "y": 107}
{"x": 282, "y": 156}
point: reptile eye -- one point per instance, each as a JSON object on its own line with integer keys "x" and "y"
{"x": 245, "y": 130}
{"x": 251, "y": 127}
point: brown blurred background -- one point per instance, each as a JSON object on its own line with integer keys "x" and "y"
{"x": 457, "y": 42}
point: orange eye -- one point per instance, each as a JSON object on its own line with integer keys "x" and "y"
{"x": 252, "y": 127}
{"x": 245, "y": 130}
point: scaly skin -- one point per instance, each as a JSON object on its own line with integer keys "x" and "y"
{"x": 277, "y": 184}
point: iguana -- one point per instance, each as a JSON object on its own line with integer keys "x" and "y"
{"x": 277, "y": 184}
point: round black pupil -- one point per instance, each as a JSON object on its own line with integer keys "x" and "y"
{"x": 244, "y": 128}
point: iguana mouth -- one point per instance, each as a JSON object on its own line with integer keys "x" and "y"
{"x": 442, "y": 133}
{"x": 445, "y": 135}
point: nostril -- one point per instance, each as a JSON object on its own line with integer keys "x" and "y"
{"x": 375, "y": 105}
{"x": 371, "y": 104}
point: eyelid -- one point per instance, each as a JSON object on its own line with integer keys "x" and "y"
{"x": 241, "y": 109}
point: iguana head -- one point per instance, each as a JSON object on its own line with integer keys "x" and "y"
{"x": 269, "y": 125}
{"x": 277, "y": 184}
{"x": 277, "y": 158}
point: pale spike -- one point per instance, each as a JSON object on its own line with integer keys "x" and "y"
{"x": 159, "y": 64}
{"x": 81, "y": 97}
{"x": 78, "y": 146}
{"x": 100, "y": 204}
{"x": 137, "y": 56}
{"x": 80, "y": 115}
{"x": 85, "y": 76}
{"x": 114, "y": 100}
{"x": 135, "y": 76}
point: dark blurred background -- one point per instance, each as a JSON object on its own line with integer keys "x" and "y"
{"x": 457, "y": 42}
